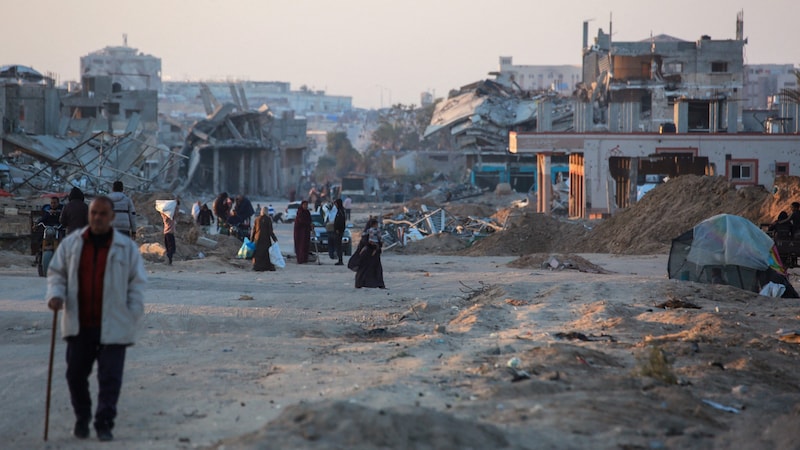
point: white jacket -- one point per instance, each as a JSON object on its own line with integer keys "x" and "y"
{"x": 123, "y": 287}
{"x": 124, "y": 212}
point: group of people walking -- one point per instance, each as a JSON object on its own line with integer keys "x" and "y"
{"x": 97, "y": 278}
{"x": 365, "y": 261}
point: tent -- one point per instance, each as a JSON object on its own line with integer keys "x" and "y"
{"x": 727, "y": 249}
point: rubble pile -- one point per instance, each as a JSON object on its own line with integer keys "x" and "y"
{"x": 555, "y": 261}
{"x": 151, "y": 238}
{"x": 530, "y": 233}
{"x": 670, "y": 209}
{"x": 785, "y": 191}
{"x": 435, "y": 244}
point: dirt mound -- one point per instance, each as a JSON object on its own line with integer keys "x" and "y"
{"x": 670, "y": 209}
{"x": 543, "y": 260}
{"x": 785, "y": 191}
{"x": 530, "y": 233}
{"x": 339, "y": 424}
{"x": 435, "y": 244}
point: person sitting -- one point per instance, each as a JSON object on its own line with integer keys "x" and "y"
{"x": 234, "y": 220}
{"x": 205, "y": 217}
{"x": 51, "y": 213}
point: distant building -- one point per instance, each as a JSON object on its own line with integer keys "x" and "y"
{"x": 763, "y": 81}
{"x": 559, "y": 78}
{"x": 180, "y": 98}
{"x": 28, "y": 101}
{"x": 128, "y": 68}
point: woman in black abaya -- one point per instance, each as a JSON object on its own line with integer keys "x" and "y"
{"x": 366, "y": 261}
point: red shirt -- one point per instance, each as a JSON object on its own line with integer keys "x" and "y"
{"x": 91, "y": 271}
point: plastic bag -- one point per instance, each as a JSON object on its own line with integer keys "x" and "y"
{"x": 167, "y": 207}
{"x": 275, "y": 256}
{"x": 772, "y": 290}
{"x": 247, "y": 249}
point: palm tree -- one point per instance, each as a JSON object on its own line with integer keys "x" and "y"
{"x": 792, "y": 95}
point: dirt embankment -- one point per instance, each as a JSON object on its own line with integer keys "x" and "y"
{"x": 647, "y": 227}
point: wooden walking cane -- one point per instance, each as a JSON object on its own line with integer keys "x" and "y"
{"x": 50, "y": 373}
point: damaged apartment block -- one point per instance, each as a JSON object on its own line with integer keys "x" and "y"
{"x": 661, "y": 84}
{"x": 235, "y": 149}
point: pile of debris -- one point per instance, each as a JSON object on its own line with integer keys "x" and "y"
{"x": 670, "y": 209}
{"x": 480, "y": 115}
{"x": 416, "y": 225}
{"x": 527, "y": 233}
{"x": 555, "y": 262}
{"x": 191, "y": 242}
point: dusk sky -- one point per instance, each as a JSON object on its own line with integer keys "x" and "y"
{"x": 375, "y": 51}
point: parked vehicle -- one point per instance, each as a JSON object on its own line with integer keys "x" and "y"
{"x": 291, "y": 211}
{"x": 320, "y": 234}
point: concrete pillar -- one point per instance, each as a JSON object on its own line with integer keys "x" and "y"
{"x": 544, "y": 116}
{"x": 216, "y": 171}
{"x": 544, "y": 185}
{"x": 733, "y": 116}
{"x": 681, "y": 115}
{"x": 633, "y": 176}
{"x": 613, "y": 117}
{"x": 713, "y": 117}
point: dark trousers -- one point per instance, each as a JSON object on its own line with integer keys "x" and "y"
{"x": 335, "y": 245}
{"x": 82, "y": 351}
{"x": 347, "y": 213}
{"x": 169, "y": 244}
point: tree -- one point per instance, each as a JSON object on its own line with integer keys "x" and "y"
{"x": 345, "y": 157}
{"x": 402, "y": 127}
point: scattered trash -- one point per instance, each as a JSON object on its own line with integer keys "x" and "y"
{"x": 576, "y": 336}
{"x": 740, "y": 390}
{"x": 439, "y": 328}
{"x": 513, "y": 362}
{"x": 792, "y": 337}
{"x": 721, "y": 407}
{"x": 676, "y": 303}
{"x": 515, "y": 302}
{"x": 206, "y": 242}
{"x": 517, "y": 375}
{"x": 201, "y": 255}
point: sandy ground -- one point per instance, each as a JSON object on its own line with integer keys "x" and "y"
{"x": 229, "y": 358}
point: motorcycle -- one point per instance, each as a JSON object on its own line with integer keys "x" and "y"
{"x": 51, "y": 237}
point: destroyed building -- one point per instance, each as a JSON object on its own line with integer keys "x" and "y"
{"x": 87, "y": 136}
{"x": 661, "y": 83}
{"x": 129, "y": 69}
{"x": 478, "y": 118}
{"x": 236, "y": 149}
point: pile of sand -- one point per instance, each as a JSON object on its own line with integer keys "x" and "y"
{"x": 530, "y": 233}
{"x": 647, "y": 227}
{"x": 340, "y": 424}
{"x": 670, "y": 209}
{"x": 435, "y": 244}
{"x": 543, "y": 260}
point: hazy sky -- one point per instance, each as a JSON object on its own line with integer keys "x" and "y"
{"x": 372, "y": 50}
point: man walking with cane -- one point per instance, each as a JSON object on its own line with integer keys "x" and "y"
{"x": 97, "y": 276}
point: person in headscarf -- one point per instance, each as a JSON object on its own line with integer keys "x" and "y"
{"x": 366, "y": 261}
{"x": 75, "y": 215}
{"x": 263, "y": 236}
{"x": 302, "y": 233}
